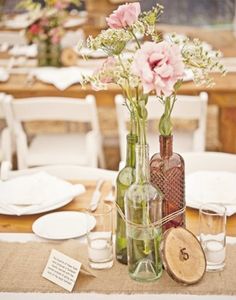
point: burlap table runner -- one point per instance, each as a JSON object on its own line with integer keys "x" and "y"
{"x": 21, "y": 266}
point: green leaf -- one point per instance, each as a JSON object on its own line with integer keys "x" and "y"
{"x": 165, "y": 125}
{"x": 143, "y": 113}
{"x": 178, "y": 85}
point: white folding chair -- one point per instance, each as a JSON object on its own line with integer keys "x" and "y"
{"x": 186, "y": 108}
{"x": 6, "y": 142}
{"x": 55, "y": 148}
{"x": 209, "y": 161}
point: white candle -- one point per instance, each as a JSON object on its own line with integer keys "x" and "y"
{"x": 99, "y": 250}
{"x": 215, "y": 252}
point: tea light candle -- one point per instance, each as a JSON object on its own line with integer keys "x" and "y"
{"x": 99, "y": 250}
{"x": 215, "y": 252}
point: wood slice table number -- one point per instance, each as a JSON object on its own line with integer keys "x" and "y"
{"x": 183, "y": 256}
{"x": 69, "y": 57}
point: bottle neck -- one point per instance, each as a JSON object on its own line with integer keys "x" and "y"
{"x": 142, "y": 164}
{"x": 166, "y": 145}
{"x": 130, "y": 150}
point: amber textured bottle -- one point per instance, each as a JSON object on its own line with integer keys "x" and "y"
{"x": 167, "y": 173}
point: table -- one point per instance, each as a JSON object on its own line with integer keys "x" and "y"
{"x": 23, "y": 224}
{"x": 223, "y": 94}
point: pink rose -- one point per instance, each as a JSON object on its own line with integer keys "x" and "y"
{"x": 159, "y": 66}
{"x": 126, "y": 15}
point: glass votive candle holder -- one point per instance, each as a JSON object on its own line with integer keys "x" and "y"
{"x": 212, "y": 220}
{"x": 100, "y": 244}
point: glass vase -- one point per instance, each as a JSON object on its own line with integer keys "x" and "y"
{"x": 143, "y": 208}
{"x": 54, "y": 55}
{"x": 49, "y": 54}
{"x": 43, "y": 53}
{"x": 167, "y": 173}
{"x": 124, "y": 179}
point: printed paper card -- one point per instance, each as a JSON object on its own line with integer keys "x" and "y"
{"x": 62, "y": 270}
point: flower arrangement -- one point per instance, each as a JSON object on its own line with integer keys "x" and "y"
{"x": 49, "y": 19}
{"x": 141, "y": 62}
{"x": 141, "y": 66}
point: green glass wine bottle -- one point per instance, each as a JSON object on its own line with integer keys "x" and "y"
{"x": 124, "y": 179}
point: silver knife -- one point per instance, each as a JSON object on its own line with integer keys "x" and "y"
{"x": 96, "y": 195}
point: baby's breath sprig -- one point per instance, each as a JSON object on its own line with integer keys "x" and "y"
{"x": 199, "y": 59}
{"x": 111, "y": 41}
{"x": 149, "y": 19}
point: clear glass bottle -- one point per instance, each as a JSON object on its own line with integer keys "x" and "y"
{"x": 143, "y": 208}
{"x": 167, "y": 173}
{"x": 124, "y": 179}
{"x": 55, "y": 55}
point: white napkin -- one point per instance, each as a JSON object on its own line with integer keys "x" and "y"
{"x": 27, "y": 50}
{"x": 71, "y": 38}
{"x": 72, "y": 22}
{"x": 4, "y": 75}
{"x": 32, "y": 193}
{"x": 61, "y": 78}
{"x": 20, "y": 21}
{"x": 218, "y": 187}
{"x": 188, "y": 75}
{"x": 92, "y": 53}
{"x": 229, "y": 63}
{"x": 4, "y": 47}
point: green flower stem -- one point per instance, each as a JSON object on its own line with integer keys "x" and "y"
{"x": 136, "y": 39}
{"x": 173, "y": 103}
{"x": 141, "y": 121}
{"x": 165, "y": 124}
{"x": 146, "y": 221}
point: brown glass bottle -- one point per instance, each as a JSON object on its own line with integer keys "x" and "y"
{"x": 167, "y": 173}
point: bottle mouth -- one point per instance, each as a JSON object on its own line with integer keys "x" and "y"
{"x": 170, "y": 137}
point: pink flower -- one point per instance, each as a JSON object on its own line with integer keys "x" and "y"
{"x": 126, "y": 15}
{"x": 106, "y": 72}
{"x": 159, "y": 66}
{"x": 44, "y": 22}
{"x": 60, "y": 5}
{"x": 55, "y": 34}
{"x": 35, "y": 28}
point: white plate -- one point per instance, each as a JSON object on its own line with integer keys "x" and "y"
{"x": 4, "y": 75}
{"x": 36, "y": 193}
{"x": 36, "y": 210}
{"x": 63, "y": 225}
{"x": 208, "y": 186}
